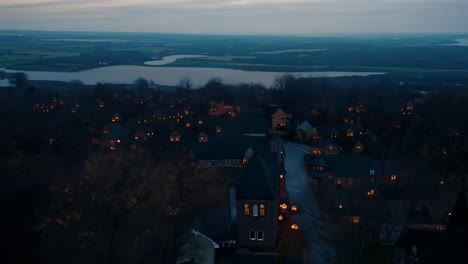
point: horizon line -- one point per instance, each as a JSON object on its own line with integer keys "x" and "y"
{"x": 239, "y": 34}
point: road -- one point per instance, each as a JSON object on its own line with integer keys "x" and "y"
{"x": 319, "y": 239}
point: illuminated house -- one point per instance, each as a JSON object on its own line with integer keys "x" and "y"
{"x": 305, "y": 131}
{"x": 358, "y": 148}
{"x": 352, "y": 179}
{"x": 257, "y": 199}
{"x": 202, "y": 137}
{"x": 279, "y": 119}
{"x": 327, "y": 147}
{"x": 174, "y": 137}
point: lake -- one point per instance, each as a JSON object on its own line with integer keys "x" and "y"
{"x": 172, "y": 75}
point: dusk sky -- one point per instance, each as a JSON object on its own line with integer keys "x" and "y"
{"x": 237, "y": 16}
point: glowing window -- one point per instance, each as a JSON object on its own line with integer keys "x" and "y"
{"x": 262, "y": 210}
{"x": 246, "y": 209}
{"x": 255, "y": 210}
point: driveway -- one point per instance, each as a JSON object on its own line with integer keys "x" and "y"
{"x": 319, "y": 238}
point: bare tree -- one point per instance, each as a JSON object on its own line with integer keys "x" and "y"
{"x": 185, "y": 83}
{"x": 18, "y": 79}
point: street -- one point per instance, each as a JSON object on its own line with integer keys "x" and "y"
{"x": 319, "y": 238}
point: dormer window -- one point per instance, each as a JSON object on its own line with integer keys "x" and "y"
{"x": 262, "y": 210}
{"x": 255, "y": 210}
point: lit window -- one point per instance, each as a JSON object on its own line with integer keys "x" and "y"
{"x": 136, "y": 138}
{"x": 246, "y": 209}
{"x": 294, "y": 226}
{"x": 260, "y": 235}
{"x": 255, "y": 210}
{"x": 355, "y": 219}
{"x": 281, "y": 176}
{"x": 252, "y": 235}
{"x": 294, "y": 208}
{"x": 340, "y": 206}
{"x": 262, "y": 210}
{"x": 393, "y": 177}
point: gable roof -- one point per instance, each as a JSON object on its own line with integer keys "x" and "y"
{"x": 305, "y": 126}
{"x": 319, "y": 161}
{"x": 353, "y": 166}
{"x": 459, "y": 217}
{"x": 278, "y": 112}
{"x": 258, "y": 180}
{"x": 325, "y": 143}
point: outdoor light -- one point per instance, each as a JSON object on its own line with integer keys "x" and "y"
{"x": 294, "y": 208}
{"x": 280, "y": 218}
{"x": 294, "y": 227}
{"x": 283, "y": 206}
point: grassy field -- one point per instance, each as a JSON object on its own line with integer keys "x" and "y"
{"x": 66, "y": 51}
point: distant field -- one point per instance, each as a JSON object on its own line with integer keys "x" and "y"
{"x": 64, "y": 51}
{"x": 288, "y": 51}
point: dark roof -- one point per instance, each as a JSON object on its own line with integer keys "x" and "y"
{"x": 459, "y": 217}
{"x": 319, "y": 161}
{"x": 348, "y": 166}
{"x": 434, "y": 246}
{"x": 258, "y": 180}
{"x": 357, "y": 127}
{"x": 419, "y": 215}
{"x": 221, "y": 147}
{"x": 325, "y": 143}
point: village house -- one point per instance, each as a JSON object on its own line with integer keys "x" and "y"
{"x": 279, "y": 119}
{"x": 257, "y": 198}
{"x": 351, "y": 178}
{"x": 305, "y": 131}
{"x": 326, "y": 147}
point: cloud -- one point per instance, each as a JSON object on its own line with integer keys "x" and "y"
{"x": 237, "y": 16}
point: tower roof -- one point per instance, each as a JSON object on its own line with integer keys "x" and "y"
{"x": 459, "y": 217}
{"x": 258, "y": 180}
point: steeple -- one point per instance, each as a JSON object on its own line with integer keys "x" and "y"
{"x": 459, "y": 218}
